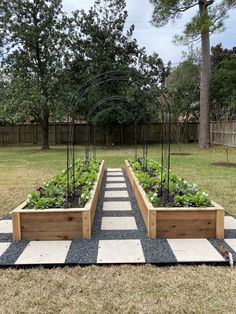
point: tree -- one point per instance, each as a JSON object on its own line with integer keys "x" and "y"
{"x": 101, "y": 45}
{"x": 223, "y": 87}
{"x": 183, "y": 88}
{"x": 208, "y": 19}
{"x": 34, "y": 40}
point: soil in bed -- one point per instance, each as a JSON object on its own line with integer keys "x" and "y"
{"x": 181, "y": 154}
{"x": 224, "y": 164}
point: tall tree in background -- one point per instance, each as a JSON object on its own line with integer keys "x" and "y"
{"x": 101, "y": 44}
{"x": 209, "y": 18}
{"x": 223, "y": 84}
{"x": 34, "y": 36}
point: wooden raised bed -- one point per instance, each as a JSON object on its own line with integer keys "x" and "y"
{"x": 58, "y": 223}
{"x": 177, "y": 222}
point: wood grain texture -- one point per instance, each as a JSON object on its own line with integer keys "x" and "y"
{"x": 220, "y": 224}
{"x": 57, "y": 224}
{"x": 178, "y": 222}
{"x": 192, "y": 224}
{"x": 50, "y": 226}
{"x": 16, "y": 226}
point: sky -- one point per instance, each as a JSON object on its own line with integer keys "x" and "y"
{"x": 160, "y": 40}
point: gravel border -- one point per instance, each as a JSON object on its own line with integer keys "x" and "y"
{"x": 10, "y": 256}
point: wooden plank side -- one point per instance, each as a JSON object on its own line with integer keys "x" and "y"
{"x": 16, "y": 226}
{"x": 51, "y": 217}
{"x": 129, "y": 173}
{"x": 86, "y": 225}
{"x": 152, "y": 224}
{"x": 191, "y": 214}
{"x": 185, "y": 228}
{"x": 220, "y": 224}
{"x": 49, "y": 226}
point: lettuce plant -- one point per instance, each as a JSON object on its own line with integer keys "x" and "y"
{"x": 180, "y": 193}
{"x": 53, "y": 193}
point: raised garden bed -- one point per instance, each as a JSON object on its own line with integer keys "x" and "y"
{"x": 177, "y": 222}
{"x": 57, "y": 223}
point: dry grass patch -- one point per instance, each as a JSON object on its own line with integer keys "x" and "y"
{"x": 119, "y": 289}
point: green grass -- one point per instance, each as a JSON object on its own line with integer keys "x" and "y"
{"x": 116, "y": 289}
{"x": 25, "y": 168}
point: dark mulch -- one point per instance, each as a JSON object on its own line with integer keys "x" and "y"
{"x": 224, "y": 164}
{"x": 181, "y": 154}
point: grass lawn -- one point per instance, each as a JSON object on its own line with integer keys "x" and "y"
{"x": 116, "y": 289}
{"x": 25, "y": 168}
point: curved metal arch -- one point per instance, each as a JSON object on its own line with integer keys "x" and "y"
{"x": 94, "y": 131}
{"x": 101, "y": 77}
{"x": 98, "y": 80}
{"x": 97, "y": 105}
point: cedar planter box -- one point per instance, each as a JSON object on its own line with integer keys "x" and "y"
{"x": 177, "y": 222}
{"x": 58, "y": 223}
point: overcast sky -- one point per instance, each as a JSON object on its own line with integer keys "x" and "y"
{"x": 160, "y": 40}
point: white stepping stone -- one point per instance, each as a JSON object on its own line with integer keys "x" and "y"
{"x": 116, "y": 185}
{"x": 118, "y": 223}
{"x": 5, "y": 226}
{"x": 117, "y": 179}
{"x": 194, "y": 250}
{"x": 116, "y": 194}
{"x": 114, "y": 169}
{"x": 230, "y": 222}
{"x": 3, "y": 247}
{"x": 116, "y": 206}
{"x": 46, "y": 252}
{"x": 231, "y": 243}
{"x": 120, "y": 251}
{"x": 114, "y": 173}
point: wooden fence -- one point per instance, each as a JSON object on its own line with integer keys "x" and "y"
{"x": 223, "y": 133}
{"x": 31, "y": 134}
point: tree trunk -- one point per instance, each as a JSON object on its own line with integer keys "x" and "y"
{"x": 204, "y": 126}
{"x": 45, "y": 130}
{"x": 108, "y": 136}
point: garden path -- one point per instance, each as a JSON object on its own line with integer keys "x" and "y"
{"x": 118, "y": 236}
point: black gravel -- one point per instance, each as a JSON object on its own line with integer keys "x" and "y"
{"x": 6, "y": 237}
{"x": 82, "y": 252}
{"x": 221, "y": 243}
{"x": 230, "y": 234}
{"x": 7, "y": 217}
{"x": 10, "y": 256}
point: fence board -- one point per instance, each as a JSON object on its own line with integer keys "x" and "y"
{"x": 31, "y": 134}
{"x": 223, "y": 133}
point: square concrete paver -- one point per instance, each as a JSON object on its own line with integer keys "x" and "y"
{"x": 230, "y": 222}
{"x": 45, "y": 252}
{"x": 114, "y": 169}
{"x": 231, "y": 243}
{"x": 116, "y": 194}
{"x": 119, "y": 206}
{"x": 194, "y": 250}
{"x": 120, "y": 251}
{"x": 118, "y": 223}
{"x": 5, "y": 226}
{"x": 115, "y": 179}
{"x": 115, "y": 185}
{"x": 114, "y": 173}
{"x": 3, "y": 247}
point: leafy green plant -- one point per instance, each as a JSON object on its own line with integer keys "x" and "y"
{"x": 181, "y": 193}
{"x": 53, "y": 194}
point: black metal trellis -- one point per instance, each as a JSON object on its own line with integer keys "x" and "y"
{"x": 92, "y": 110}
{"x": 84, "y": 89}
{"x": 165, "y": 117}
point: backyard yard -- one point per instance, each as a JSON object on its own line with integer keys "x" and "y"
{"x": 116, "y": 289}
